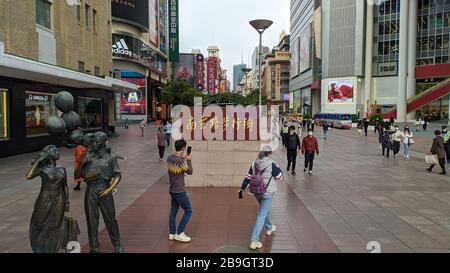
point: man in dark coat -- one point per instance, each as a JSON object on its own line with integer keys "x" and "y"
{"x": 292, "y": 144}
{"x": 438, "y": 149}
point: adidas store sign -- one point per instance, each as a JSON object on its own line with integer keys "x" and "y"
{"x": 121, "y": 48}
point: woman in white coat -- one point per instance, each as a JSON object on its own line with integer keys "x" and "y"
{"x": 407, "y": 141}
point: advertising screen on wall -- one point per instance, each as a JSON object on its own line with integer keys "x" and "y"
{"x": 39, "y": 108}
{"x": 305, "y": 46}
{"x": 90, "y": 111}
{"x": 4, "y": 114}
{"x": 154, "y": 22}
{"x": 340, "y": 91}
{"x": 291, "y": 100}
{"x": 134, "y": 103}
{"x": 295, "y": 58}
{"x": 134, "y": 12}
{"x": 184, "y": 69}
{"x": 163, "y": 22}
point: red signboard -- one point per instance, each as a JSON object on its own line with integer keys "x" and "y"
{"x": 134, "y": 103}
{"x": 200, "y": 72}
{"x": 212, "y": 76}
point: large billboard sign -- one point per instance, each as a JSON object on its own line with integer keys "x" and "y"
{"x": 200, "y": 72}
{"x": 133, "y": 12}
{"x": 184, "y": 69}
{"x": 174, "y": 39}
{"x": 340, "y": 91}
{"x": 154, "y": 22}
{"x": 305, "y": 46}
{"x": 163, "y": 21}
{"x": 212, "y": 77}
{"x": 295, "y": 58}
{"x": 134, "y": 103}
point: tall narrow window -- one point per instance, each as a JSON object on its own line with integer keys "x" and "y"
{"x": 86, "y": 15}
{"x": 43, "y": 13}
{"x": 94, "y": 19}
{"x": 79, "y": 13}
{"x": 97, "y": 71}
{"x": 81, "y": 66}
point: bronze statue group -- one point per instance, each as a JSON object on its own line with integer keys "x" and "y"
{"x": 50, "y": 229}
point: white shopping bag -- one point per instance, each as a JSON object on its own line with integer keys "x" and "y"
{"x": 431, "y": 159}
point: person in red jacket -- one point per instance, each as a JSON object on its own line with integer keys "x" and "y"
{"x": 310, "y": 146}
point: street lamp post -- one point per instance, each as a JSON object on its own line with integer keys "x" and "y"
{"x": 260, "y": 26}
{"x": 246, "y": 71}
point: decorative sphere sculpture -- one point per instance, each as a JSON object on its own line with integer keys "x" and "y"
{"x": 71, "y": 119}
{"x": 64, "y": 101}
{"x": 56, "y": 126}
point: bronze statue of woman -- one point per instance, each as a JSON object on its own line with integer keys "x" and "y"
{"x": 51, "y": 204}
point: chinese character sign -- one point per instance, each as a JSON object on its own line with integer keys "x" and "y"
{"x": 173, "y": 31}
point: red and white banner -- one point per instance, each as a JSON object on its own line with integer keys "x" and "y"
{"x": 212, "y": 77}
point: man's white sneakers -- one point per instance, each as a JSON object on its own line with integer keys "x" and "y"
{"x": 272, "y": 230}
{"x": 171, "y": 237}
{"x": 255, "y": 245}
{"x": 182, "y": 238}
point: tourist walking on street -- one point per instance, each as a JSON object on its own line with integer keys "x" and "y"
{"x": 438, "y": 149}
{"x": 326, "y": 129}
{"x": 417, "y": 124}
{"x": 260, "y": 178}
{"x": 310, "y": 147}
{"x": 292, "y": 145}
{"x": 308, "y": 124}
{"x": 397, "y": 138}
{"x": 284, "y": 133}
{"x": 376, "y": 128}
{"x": 366, "y": 126}
{"x": 304, "y": 123}
{"x": 407, "y": 141}
{"x": 425, "y": 123}
{"x": 168, "y": 131}
{"x": 179, "y": 164}
{"x": 161, "y": 137}
{"x": 446, "y": 136}
{"x": 360, "y": 127}
{"x": 126, "y": 123}
{"x": 142, "y": 126}
{"x": 386, "y": 144}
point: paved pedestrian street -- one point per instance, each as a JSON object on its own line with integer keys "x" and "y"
{"x": 353, "y": 197}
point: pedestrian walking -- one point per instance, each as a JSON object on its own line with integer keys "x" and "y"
{"x": 425, "y": 124}
{"x": 142, "y": 126}
{"x": 386, "y": 143}
{"x": 407, "y": 140}
{"x": 304, "y": 123}
{"x": 366, "y": 126}
{"x": 260, "y": 179}
{"x": 309, "y": 147}
{"x": 313, "y": 124}
{"x": 126, "y": 123}
{"x": 179, "y": 164}
{"x": 292, "y": 145}
{"x": 284, "y": 133}
{"x": 376, "y": 128}
{"x": 168, "y": 131}
{"x": 326, "y": 129}
{"x": 360, "y": 127}
{"x": 391, "y": 121}
{"x": 308, "y": 124}
{"x": 80, "y": 151}
{"x": 438, "y": 149}
{"x": 161, "y": 138}
{"x": 446, "y": 136}
{"x": 397, "y": 138}
{"x": 417, "y": 124}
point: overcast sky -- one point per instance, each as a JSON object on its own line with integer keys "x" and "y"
{"x": 228, "y": 21}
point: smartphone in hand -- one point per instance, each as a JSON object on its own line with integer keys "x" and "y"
{"x": 189, "y": 150}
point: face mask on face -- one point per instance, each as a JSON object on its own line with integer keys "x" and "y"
{"x": 310, "y": 134}
{"x": 291, "y": 133}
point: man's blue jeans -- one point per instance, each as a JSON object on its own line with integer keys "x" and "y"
{"x": 263, "y": 217}
{"x": 179, "y": 200}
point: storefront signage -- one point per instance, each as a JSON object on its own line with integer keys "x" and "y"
{"x": 173, "y": 31}
{"x": 133, "y": 12}
{"x": 39, "y": 108}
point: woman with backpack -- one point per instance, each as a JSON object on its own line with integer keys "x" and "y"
{"x": 262, "y": 178}
{"x": 407, "y": 141}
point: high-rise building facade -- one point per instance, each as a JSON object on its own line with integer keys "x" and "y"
{"x": 47, "y": 47}
{"x": 255, "y": 61}
{"x": 390, "y": 58}
{"x": 305, "y": 47}
{"x": 238, "y": 75}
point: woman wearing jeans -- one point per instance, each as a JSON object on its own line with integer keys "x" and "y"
{"x": 407, "y": 141}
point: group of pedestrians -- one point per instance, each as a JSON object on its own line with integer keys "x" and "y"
{"x": 393, "y": 139}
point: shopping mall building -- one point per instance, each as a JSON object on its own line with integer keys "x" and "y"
{"x": 390, "y": 58}
{"x": 55, "y": 47}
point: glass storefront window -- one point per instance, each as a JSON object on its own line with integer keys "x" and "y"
{"x": 91, "y": 113}
{"x": 39, "y": 108}
{"x": 4, "y": 118}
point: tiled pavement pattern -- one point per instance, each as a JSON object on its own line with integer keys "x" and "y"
{"x": 354, "y": 197}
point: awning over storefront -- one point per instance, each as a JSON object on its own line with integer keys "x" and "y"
{"x": 26, "y": 69}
